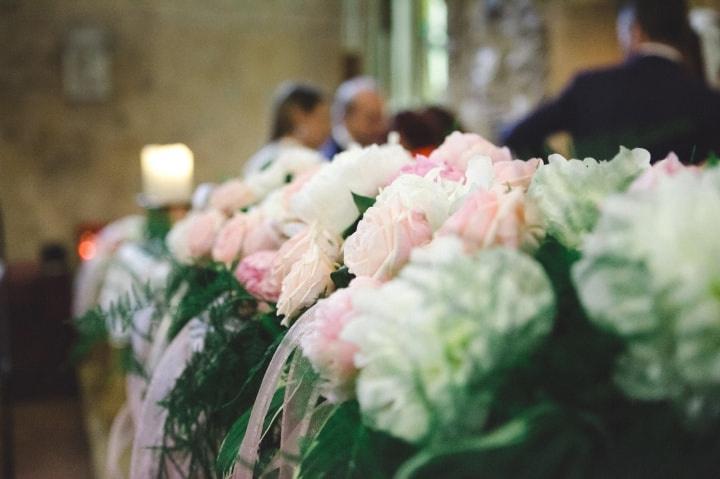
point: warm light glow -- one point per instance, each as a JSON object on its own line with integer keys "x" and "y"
{"x": 87, "y": 248}
{"x": 167, "y": 172}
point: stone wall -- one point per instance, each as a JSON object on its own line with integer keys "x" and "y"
{"x": 182, "y": 70}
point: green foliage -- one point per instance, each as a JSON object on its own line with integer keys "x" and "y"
{"x": 542, "y": 442}
{"x": 92, "y": 326}
{"x": 713, "y": 160}
{"x": 346, "y": 448}
{"x": 342, "y": 277}
{"x": 217, "y": 385}
{"x": 363, "y": 203}
{"x": 230, "y": 446}
{"x": 158, "y": 224}
{"x": 204, "y": 285}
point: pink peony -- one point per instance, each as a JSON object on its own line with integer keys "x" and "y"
{"x": 384, "y": 238}
{"x": 458, "y": 148}
{"x": 422, "y": 166}
{"x": 303, "y": 265}
{"x": 670, "y": 166}
{"x": 308, "y": 279}
{"x": 261, "y": 234}
{"x": 229, "y": 241}
{"x": 231, "y": 196}
{"x": 254, "y": 273}
{"x": 515, "y": 173}
{"x": 290, "y": 252}
{"x": 202, "y": 230}
{"x": 331, "y": 356}
{"x": 490, "y": 218}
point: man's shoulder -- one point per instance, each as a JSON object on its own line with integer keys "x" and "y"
{"x": 600, "y": 75}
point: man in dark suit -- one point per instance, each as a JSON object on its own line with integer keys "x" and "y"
{"x": 653, "y": 100}
{"x": 358, "y": 116}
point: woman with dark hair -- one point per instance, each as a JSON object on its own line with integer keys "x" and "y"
{"x": 416, "y": 133}
{"x": 300, "y": 118}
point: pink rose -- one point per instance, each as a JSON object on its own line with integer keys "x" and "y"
{"x": 229, "y": 241}
{"x": 202, "y": 230}
{"x": 458, "y": 148}
{"x": 331, "y": 356}
{"x": 670, "y": 166}
{"x": 254, "y": 273}
{"x": 490, "y": 218}
{"x": 515, "y": 173}
{"x": 232, "y": 196}
{"x": 384, "y": 238}
{"x": 422, "y": 165}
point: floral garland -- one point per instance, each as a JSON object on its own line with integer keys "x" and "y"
{"x": 466, "y": 313}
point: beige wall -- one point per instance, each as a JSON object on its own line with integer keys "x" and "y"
{"x": 184, "y": 70}
{"x": 580, "y": 35}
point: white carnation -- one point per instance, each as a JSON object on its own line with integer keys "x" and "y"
{"x": 445, "y": 323}
{"x": 651, "y": 273}
{"x": 569, "y": 192}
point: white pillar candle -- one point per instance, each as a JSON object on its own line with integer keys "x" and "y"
{"x": 167, "y": 173}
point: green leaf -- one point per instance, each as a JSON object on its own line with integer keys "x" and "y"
{"x": 713, "y": 160}
{"x": 363, "y": 203}
{"x": 230, "y": 446}
{"x": 342, "y": 277}
{"x": 542, "y": 442}
{"x": 345, "y": 448}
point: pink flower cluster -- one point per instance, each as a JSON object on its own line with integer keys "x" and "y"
{"x": 669, "y": 166}
{"x": 330, "y": 355}
{"x": 384, "y": 238}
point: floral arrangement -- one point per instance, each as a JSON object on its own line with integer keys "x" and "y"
{"x": 465, "y": 314}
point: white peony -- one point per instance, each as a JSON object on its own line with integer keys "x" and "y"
{"x": 289, "y": 164}
{"x": 423, "y": 194}
{"x": 569, "y": 192}
{"x": 650, "y": 272}
{"x": 326, "y": 199}
{"x": 427, "y": 338}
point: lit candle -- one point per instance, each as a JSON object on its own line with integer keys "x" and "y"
{"x": 167, "y": 174}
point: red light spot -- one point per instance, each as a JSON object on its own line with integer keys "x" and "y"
{"x": 87, "y": 249}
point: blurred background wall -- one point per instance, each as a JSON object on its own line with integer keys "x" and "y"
{"x": 203, "y": 72}
{"x": 199, "y": 72}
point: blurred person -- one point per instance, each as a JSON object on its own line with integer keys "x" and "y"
{"x": 300, "y": 117}
{"x": 654, "y": 99}
{"x": 442, "y": 120}
{"x": 358, "y": 116}
{"x": 417, "y": 134}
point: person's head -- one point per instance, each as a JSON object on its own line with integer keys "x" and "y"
{"x": 361, "y": 109}
{"x": 641, "y": 21}
{"x": 301, "y": 112}
{"x": 414, "y": 129}
{"x": 442, "y": 120}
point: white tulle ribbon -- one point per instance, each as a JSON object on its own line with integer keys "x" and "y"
{"x": 248, "y": 453}
{"x": 149, "y": 434}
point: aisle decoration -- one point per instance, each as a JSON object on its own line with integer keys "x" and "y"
{"x": 464, "y": 314}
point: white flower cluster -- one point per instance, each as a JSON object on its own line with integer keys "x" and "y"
{"x": 327, "y": 199}
{"x": 446, "y": 322}
{"x": 569, "y": 192}
{"x": 650, "y": 272}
